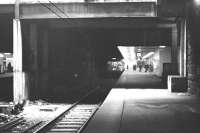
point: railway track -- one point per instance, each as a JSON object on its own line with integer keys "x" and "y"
{"x": 10, "y": 123}
{"x": 17, "y": 125}
{"x": 72, "y": 121}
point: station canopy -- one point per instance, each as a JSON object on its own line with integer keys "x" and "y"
{"x": 70, "y": 1}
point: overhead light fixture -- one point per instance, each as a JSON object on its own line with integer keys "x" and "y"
{"x": 197, "y": 2}
{"x": 139, "y": 54}
{"x": 1, "y": 55}
{"x": 148, "y": 55}
{"x": 162, "y": 46}
{"x": 7, "y": 53}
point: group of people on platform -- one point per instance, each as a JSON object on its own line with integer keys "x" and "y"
{"x": 6, "y": 68}
{"x": 148, "y": 67}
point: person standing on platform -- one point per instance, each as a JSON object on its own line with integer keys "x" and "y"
{"x": 9, "y": 67}
{"x": 146, "y": 66}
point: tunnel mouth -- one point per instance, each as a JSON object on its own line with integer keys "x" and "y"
{"x": 70, "y": 57}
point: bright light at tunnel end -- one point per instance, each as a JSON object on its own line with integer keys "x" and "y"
{"x": 162, "y": 46}
{"x": 197, "y": 2}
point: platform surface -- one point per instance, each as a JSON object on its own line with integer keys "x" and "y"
{"x": 146, "y": 111}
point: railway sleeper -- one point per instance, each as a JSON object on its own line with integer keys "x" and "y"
{"x": 70, "y": 123}
{"x": 68, "y": 126}
{"x": 64, "y": 130}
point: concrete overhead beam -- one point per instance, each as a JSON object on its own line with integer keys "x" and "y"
{"x": 6, "y": 9}
{"x": 169, "y": 8}
{"x": 87, "y": 10}
{"x": 110, "y": 23}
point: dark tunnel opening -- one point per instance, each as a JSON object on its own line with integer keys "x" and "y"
{"x": 61, "y": 60}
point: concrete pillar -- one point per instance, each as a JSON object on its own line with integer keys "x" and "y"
{"x": 20, "y": 91}
{"x": 185, "y": 49}
{"x": 182, "y": 49}
{"x": 174, "y": 45}
{"x": 193, "y": 55}
{"x": 191, "y": 65}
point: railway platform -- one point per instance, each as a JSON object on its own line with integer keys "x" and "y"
{"x": 146, "y": 111}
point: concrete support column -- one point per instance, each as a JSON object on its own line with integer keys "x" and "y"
{"x": 182, "y": 49}
{"x": 20, "y": 91}
{"x": 193, "y": 56}
{"x": 174, "y": 45}
{"x": 192, "y": 72}
{"x": 185, "y": 49}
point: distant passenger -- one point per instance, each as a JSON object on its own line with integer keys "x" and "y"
{"x": 146, "y": 66}
{"x": 151, "y": 68}
{"x": 9, "y": 67}
{"x": 134, "y": 67}
{"x": 140, "y": 65}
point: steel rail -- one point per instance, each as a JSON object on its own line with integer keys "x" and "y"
{"x": 85, "y": 124}
{"x": 10, "y": 124}
{"x": 49, "y": 124}
{"x": 29, "y": 130}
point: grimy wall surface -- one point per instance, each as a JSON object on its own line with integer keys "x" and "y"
{"x": 193, "y": 41}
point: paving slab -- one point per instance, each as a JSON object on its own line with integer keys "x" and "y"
{"x": 146, "y": 111}
{"x": 158, "y": 111}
